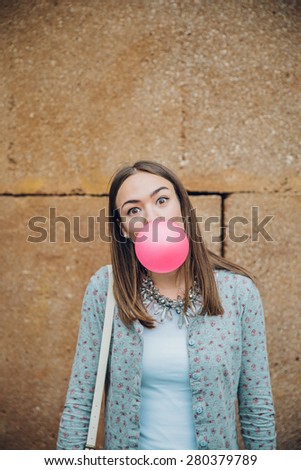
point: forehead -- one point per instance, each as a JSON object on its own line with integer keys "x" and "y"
{"x": 140, "y": 185}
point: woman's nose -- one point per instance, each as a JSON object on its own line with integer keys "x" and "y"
{"x": 148, "y": 217}
{"x": 152, "y": 214}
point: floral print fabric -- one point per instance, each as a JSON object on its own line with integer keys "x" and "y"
{"x": 227, "y": 360}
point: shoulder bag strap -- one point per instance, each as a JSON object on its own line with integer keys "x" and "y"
{"x": 102, "y": 365}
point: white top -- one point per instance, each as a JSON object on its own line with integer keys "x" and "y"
{"x": 166, "y": 417}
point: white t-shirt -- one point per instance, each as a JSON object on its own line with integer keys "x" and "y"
{"x": 166, "y": 419}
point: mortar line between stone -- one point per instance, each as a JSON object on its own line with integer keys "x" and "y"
{"x": 53, "y": 195}
{"x": 190, "y": 193}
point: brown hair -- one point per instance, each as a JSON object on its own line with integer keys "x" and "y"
{"x": 128, "y": 271}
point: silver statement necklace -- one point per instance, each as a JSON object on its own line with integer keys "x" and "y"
{"x": 163, "y": 306}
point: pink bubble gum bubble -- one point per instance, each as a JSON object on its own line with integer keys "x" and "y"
{"x": 161, "y": 246}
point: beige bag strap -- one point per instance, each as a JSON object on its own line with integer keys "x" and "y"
{"x": 102, "y": 365}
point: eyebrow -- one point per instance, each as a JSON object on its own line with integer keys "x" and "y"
{"x": 134, "y": 201}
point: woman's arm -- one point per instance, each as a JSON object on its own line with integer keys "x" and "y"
{"x": 256, "y": 408}
{"x": 76, "y": 415}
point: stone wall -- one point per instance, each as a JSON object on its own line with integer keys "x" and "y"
{"x": 210, "y": 89}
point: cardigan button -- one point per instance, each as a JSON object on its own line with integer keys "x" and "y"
{"x": 199, "y": 411}
{"x": 203, "y": 444}
{"x": 191, "y": 342}
{"x": 195, "y": 375}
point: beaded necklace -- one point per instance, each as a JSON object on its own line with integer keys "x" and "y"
{"x": 163, "y": 306}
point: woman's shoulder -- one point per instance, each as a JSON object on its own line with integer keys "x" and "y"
{"x": 241, "y": 291}
{"x": 235, "y": 282}
{"x": 100, "y": 277}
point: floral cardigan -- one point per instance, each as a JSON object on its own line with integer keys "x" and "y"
{"x": 227, "y": 360}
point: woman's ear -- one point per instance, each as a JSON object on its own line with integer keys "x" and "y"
{"x": 123, "y": 231}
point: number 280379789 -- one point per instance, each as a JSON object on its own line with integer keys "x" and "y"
{"x": 221, "y": 459}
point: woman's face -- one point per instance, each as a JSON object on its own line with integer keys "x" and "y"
{"x": 143, "y": 197}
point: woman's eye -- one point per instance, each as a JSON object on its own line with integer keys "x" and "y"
{"x": 162, "y": 199}
{"x": 131, "y": 211}
{"x": 134, "y": 210}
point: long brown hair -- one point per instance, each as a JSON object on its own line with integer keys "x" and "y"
{"x": 128, "y": 271}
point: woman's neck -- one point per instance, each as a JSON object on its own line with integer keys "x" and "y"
{"x": 169, "y": 284}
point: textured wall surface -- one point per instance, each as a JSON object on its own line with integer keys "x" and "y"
{"x": 276, "y": 263}
{"x": 212, "y": 90}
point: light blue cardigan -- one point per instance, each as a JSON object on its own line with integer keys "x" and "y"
{"x": 227, "y": 359}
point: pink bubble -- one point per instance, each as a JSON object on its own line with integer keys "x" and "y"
{"x": 161, "y": 246}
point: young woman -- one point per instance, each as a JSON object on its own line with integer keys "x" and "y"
{"x": 185, "y": 344}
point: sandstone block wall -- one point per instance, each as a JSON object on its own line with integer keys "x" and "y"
{"x": 210, "y": 89}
